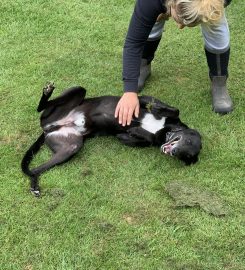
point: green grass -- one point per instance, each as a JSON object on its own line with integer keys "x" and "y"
{"x": 107, "y": 208}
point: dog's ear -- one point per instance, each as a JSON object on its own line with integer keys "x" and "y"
{"x": 194, "y": 159}
{"x": 191, "y": 160}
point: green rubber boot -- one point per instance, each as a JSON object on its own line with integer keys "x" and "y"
{"x": 218, "y": 73}
{"x": 221, "y": 100}
{"x": 147, "y": 57}
{"x": 145, "y": 72}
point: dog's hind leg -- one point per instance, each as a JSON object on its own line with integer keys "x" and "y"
{"x": 47, "y": 92}
{"x": 63, "y": 149}
{"x": 62, "y": 104}
{"x": 71, "y": 97}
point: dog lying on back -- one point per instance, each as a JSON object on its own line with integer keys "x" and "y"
{"x": 70, "y": 118}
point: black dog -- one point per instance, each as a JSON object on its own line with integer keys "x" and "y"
{"x": 70, "y": 118}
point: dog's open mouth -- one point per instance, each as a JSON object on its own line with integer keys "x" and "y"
{"x": 168, "y": 147}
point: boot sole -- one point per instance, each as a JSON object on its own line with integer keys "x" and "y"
{"x": 223, "y": 112}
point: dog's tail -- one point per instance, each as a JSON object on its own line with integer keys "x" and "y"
{"x": 30, "y": 154}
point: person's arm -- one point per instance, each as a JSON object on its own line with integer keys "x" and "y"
{"x": 143, "y": 18}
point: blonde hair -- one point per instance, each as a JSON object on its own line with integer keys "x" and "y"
{"x": 193, "y": 12}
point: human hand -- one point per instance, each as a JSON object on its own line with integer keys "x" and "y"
{"x": 126, "y": 107}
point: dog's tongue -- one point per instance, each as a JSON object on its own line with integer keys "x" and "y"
{"x": 167, "y": 148}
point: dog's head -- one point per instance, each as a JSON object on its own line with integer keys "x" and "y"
{"x": 184, "y": 144}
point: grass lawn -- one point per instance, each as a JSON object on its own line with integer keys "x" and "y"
{"x": 107, "y": 208}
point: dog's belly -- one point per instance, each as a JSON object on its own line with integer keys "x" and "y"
{"x": 80, "y": 122}
{"x": 72, "y": 124}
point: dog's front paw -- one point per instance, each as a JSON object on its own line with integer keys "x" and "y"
{"x": 135, "y": 132}
{"x": 49, "y": 88}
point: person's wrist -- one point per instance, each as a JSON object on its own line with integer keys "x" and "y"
{"x": 131, "y": 93}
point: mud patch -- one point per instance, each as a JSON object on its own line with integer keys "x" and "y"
{"x": 106, "y": 227}
{"x": 87, "y": 172}
{"x": 185, "y": 195}
{"x": 56, "y": 193}
{"x": 131, "y": 220}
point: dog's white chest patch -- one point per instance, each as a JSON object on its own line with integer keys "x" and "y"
{"x": 151, "y": 124}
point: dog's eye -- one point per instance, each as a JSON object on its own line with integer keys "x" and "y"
{"x": 188, "y": 141}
